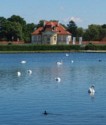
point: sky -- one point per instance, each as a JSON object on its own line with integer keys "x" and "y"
{"x": 82, "y": 12}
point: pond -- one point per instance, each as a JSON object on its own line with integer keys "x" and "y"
{"x": 24, "y": 97}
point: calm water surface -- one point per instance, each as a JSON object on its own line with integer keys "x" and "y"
{"x": 23, "y": 99}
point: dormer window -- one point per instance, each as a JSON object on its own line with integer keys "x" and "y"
{"x": 53, "y": 27}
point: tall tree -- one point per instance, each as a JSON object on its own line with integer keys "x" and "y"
{"x": 2, "y": 29}
{"x": 103, "y": 32}
{"x": 18, "y": 19}
{"x": 80, "y": 32}
{"x": 94, "y": 32}
{"x": 12, "y": 30}
{"x": 72, "y": 28}
{"x": 29, "y": 29}
{"x": 21, "y": 21}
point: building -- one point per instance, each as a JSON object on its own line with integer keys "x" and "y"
{"x": 51, "y": 33}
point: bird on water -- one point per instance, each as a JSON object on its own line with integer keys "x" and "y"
{"x": 45, "y": 112}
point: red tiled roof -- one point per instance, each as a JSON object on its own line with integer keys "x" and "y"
{"x": 37, "y": 31}
{"x": 62, "y": 31}
{"x": 52, "y": 26}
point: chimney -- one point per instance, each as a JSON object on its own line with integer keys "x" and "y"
{"x": 44, "y": 23}
{"x": 57, "y": 23}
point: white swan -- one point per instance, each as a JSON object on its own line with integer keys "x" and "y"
{"x": 23, "y": 61}
{"x": 18, "y": 73}
{"x": 91, "y": 89}
{"x": 29, "y": 71}
{"x": 72, "y": 61}
{"x": 58, "y": 79}
{"x": 67, "y": 54}
{"x": 59, "y": 63}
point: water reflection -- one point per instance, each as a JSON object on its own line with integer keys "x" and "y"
{"x": 22, "y": 99}
{"x": 9, "y": 79}
{"x": 92, "y": 95}
{"x": 41, "y": 75}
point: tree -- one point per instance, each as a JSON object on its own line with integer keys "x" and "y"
{"x": 21, "y": 21}
{"x": 29, "y": 29}
{"x": 40, "y": 24}
{"x": 2, "y": 29}
{"x": 12, "y": 30}
{"x": 72, "y": 28}
{"x": 93, "y": 32}
{"x": 80, "y": 32}
{"x": 86, "y": 36}
{"x": 18, "y": 19}
{"x": 104, "y": 26}
{"x": 103, "y": 32}
{"x": 15, "y": 28}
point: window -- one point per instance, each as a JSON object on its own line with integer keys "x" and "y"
{"x": 54, "y": 38}
{"x": 61, "y": 38}
{"x": 48, "y": 38}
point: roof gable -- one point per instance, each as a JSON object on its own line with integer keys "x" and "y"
{"x": 51, "y": 26}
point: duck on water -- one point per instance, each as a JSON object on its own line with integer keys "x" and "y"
{"x": 45, "y": 112}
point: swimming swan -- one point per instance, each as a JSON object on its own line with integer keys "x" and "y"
{"x": 58, "y": 79}
{"x": 18, "y": 73}
{"x": 29, "y": 71}
{"x": 91, "y": 89}
{"x": 23, "y": 61}
{"x": 72, "y": 61}
{"x": 67, "y": 54}
{"x": 59, "y": 63}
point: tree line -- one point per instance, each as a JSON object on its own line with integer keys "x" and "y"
{"x": 92, "y": 33}
{"x": 16, "y": 28}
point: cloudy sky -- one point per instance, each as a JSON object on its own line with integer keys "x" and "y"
{"x": 83, "y": 12}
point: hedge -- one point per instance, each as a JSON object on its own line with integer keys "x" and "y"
{"x": 95, "y": 47}
{"x": 27, "y": 47}
{"x": 32, "y": 47}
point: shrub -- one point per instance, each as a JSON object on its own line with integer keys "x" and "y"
{"x": 90, "y": 46}
{"x": 32, "y": 47}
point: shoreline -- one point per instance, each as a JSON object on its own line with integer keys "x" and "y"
{"x": 71, "y": 51}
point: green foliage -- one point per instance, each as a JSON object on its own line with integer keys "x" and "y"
{"x": 95, "y": 32}
{"x": 28, "y": 30}
{"x": 102, "y": 33}
{"x": 17, "y": 19}
{"x": 37, "y": 48}
{"x": 40, "y": 24}
{"x": 72, "y": 28}
{"x": 90, "y": 46}
{"x": 15, "y": 28}
{"x": 80, "y": 32}
{"x": 31, "y": 47}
